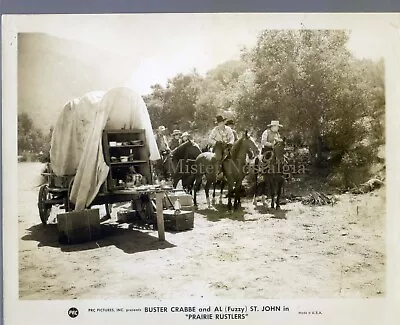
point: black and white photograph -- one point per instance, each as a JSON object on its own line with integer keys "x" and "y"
{"x": 200, "y": 157}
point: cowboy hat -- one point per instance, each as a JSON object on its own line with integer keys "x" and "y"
{"x": 161, "y": 128}
{"x": 176, "y": 132}
{"x": 275, "y": 123}
{"x": 220, "y": 118}
{"x": 229, "y": 122}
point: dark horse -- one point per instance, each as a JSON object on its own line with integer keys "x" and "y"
{"x": 270, "y": 167}
{"x": 183, "y": 162}
{"x": 232, "y": 164}
{"x": 164, "y": 166}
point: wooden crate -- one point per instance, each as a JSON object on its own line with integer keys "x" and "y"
{"x": 186, "y": 200}
{"x": 126, "y": 215}
{"x": 78, "y": 226}
{"x": 178, "y": 222}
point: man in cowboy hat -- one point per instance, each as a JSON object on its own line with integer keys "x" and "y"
{"x": 186, "y": 137}
{"x": 271, "y": 135}
{"x": 221, "y": 132}
{"x": 224, "y": 134}
{"x": 175, "y": 141}
{"x": 230, "y": 123}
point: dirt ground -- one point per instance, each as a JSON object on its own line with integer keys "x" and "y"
{"x": 298, "y": 252}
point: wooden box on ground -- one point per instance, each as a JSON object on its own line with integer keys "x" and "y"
{"x": 78, "y": 226}
{"x": 178, "y": 221}
{"x": 126, "y": 215}
{"x": 186, "y": 200}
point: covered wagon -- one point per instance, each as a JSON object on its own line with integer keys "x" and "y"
{"x": 102, "y": 142}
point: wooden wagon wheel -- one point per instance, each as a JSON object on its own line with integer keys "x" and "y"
{"x": 44, "y": 209}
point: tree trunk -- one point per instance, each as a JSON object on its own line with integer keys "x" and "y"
{"x": 315, "y": 147}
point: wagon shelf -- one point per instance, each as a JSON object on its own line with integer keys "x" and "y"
{"x": 131, "y": 162}
{"x": 127, "y": 146}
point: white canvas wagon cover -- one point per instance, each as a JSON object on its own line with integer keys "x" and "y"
{"x": 76, "y": 144}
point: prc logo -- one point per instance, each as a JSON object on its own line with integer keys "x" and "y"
{"x": 73, "y": 312}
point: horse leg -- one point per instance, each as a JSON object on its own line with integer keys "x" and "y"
{"x": 214, "y": 186}
{"x": 197, "y": 185}
{"x": 278, "y": 194}
{"x": 190, "y": 184}
{"x": 255, "y": 191}
{"x": 207, "y": 190}
{"x": 230, "y": 192}
{"x": 176, "y": 181}
{"x": 271, "y": 189}
{"x": 222, "y": 190}
{"x": 190, "y": 187}
{"x": 236, "y": 191}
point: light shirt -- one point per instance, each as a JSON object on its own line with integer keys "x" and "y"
{"x": 162, "y": 143}
{"x": 235, "y": 135}
{"x": 268, "y": 137}
{"x": 224, "y": 134}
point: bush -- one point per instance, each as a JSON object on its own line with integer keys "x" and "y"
{"x": 354, "y": 168}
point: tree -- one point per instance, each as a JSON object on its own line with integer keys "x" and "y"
{"x": 155, "y": 104}
{"x": 30, "y": 139}
{"x": 174, "y": 105}
{"x": 180, "y": 99}
{"x": 307, "y": 80}
{"x": 218, "y": 92}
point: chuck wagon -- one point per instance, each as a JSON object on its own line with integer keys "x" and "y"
{"x": 101, "y": 152}
{"x": 126, "y": 154}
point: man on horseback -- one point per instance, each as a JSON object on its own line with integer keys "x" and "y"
{"x": 224, "y": 135}
{"x": 270, "y": 136}
{"x": 230, "y": 123}
{"x": 272, "y": 156}
{"x": 176, "y": 139}
{"x": 186, "y": 137}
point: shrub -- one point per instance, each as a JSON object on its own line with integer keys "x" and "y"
{"x": 354, "y": 167}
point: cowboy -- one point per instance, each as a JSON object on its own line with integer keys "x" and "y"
{"x": 270, "y": 136}
{"x": 161, "y": 140}
{"x": 224, "y": 134}
{"x": 175, "y": 141}
{"x": 230, "y": 123}
{"x": 186, "y": 137}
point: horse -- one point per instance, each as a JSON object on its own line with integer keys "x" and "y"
{"x": 206, "y": 164}
{"x": 234, "y": 167}
{"x": 183, "y": 159}
{"x": 270, "y": 166}
{"x": 163, "y": 167}
{"x": 232, "y": 164}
